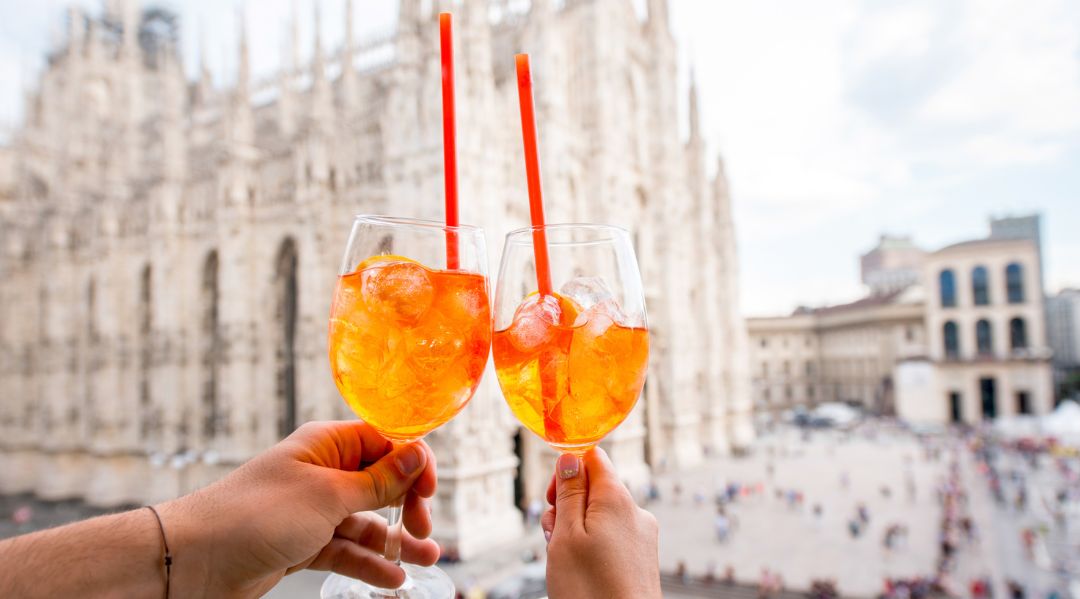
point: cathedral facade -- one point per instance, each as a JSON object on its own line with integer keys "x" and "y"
{"x": 168, "y": 248}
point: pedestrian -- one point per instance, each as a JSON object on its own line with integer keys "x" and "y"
{"x": 721, "y": 525}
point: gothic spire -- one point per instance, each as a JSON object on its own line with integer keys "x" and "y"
{"x": 348, "y": 72}
{"x": 241, "y": 125}
{"x": 243, "y": 74}
{"x": 319, "y": 66}
{"x": 320, "y": 87}
{"x": 294, "y": 38}
{"x": 721, "y": 192}
{"x": 204, "y": 82}
{"x": 286, "y": 116}
{"x": 76, "y": 30}
{"x": 695, "y": 117}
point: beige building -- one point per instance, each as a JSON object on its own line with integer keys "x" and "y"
{"x": 168, "y": 248}
{"x": 840, "y": 353}
{"x": 985, "y": 325}
{"x": 964, "y": 342}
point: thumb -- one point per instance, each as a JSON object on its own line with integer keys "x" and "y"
{"x": 571, "y": 493}
{"x": 381, "y": 483}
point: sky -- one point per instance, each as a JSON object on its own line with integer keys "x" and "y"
{"x": 838, "y": 120}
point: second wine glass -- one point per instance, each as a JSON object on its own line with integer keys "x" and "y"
{"x": 571, "y": 364}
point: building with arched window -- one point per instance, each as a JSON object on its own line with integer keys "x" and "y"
{"x": 988, "y": 354}
{"x": 966, "y": 342}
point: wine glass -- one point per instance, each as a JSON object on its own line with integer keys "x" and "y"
{"x": 572, "y": 362}
{"x": 409, "y": 340}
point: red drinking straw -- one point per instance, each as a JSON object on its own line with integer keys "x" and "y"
{"x": 446, "y": 39}
{"x": 532, "y": 173}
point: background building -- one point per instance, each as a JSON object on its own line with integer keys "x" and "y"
{"x": 894, "y": 264}
{"x": 170, "y": 247}
{"x": 963, "y": 340}
{"x": 985, "y": 327}
{"x": 1063, "y": 329}
{"x": 840, "y": 353}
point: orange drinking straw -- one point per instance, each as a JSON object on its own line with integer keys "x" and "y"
{"x": 446, "y": 43}
{"x": 532, "y": 173}
{"x": 548, "y": 382}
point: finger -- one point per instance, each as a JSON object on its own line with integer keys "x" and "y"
{"x": 605, "y": 488}
{"x": 551, "y": 491}
{"x": 382, "y": 482}
{"x": 547, "y": 523}
{"x": 417, "y": 515}
{"x": 369, "y": 530}
{"x": 345, "y": 445}
{"x": 425, "y": 485}
{"x": 350, "y": 559}
{"x": 571, "y": 493}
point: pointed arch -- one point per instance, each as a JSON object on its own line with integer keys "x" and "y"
{"x": 145, "y": 321}
{"x": 212, "y": 421}
{"x": 285, "y": 284}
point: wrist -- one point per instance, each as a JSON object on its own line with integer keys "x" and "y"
{"x": 186, "y": 529}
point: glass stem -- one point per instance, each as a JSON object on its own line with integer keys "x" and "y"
{"x": 392, "y": 551}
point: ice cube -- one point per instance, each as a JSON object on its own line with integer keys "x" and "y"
{"x": 534, "y": 322}
{"x": 401, "y": 290}
{"x": 433, "y": 347}
{"x": 587, "y": 291}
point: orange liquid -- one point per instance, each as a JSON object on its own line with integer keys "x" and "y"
{"x": 408, "y": 344}
{"x": 570, "y": 378}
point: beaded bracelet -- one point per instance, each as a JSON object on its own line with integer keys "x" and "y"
{"x": 168, "y": 554}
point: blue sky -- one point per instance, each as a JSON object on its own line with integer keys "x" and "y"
{"x": 839, "y": 120}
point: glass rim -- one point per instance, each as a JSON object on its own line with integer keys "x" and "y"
{"x": 415, "y": 223}
{"x": 515, "y": 235}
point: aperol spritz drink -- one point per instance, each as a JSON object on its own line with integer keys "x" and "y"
{"x": 408, "y": 344}
{"x": 572, "y": 363}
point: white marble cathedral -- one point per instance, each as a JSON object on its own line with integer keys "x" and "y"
{"x": 169, "y": 247}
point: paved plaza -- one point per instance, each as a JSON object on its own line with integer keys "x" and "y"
{"x": 832, "y": 470}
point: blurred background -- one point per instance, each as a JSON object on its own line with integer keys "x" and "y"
{"x": 856, "y": 224}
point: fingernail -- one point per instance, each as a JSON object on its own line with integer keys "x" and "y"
{"x": 408, "y": 461}
{"x": 547, "y": 536}
{"x": 567, "y": 466}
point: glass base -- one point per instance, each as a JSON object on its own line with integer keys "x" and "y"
{"x": 420, "y": 583}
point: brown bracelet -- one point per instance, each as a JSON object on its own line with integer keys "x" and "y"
{"x": 168, "y": 555}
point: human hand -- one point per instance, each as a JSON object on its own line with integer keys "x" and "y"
{"x": 600, "y": 543}
{"x": 292, "y": 507}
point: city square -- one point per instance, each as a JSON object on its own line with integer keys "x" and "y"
{"x": 307, "y": 286}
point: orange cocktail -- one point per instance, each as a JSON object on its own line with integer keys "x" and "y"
{"x": 408, "y": 344}
{"x": 570, "y": 375}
